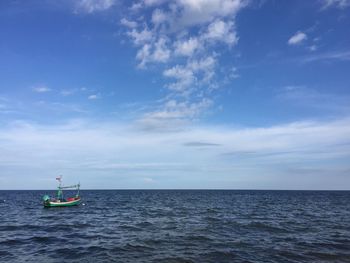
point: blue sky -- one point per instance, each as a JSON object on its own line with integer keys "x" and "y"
{"x": 237, "y": 94}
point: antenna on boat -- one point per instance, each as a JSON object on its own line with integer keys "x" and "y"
{"x": 59, "y": 178}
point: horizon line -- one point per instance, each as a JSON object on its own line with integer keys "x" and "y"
{"x": 178, "y": 189}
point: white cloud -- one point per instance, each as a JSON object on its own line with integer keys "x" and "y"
{"x": 341, "y": 4}
{"x": 187, "y": 47}
{"x": 203, "y": 64}
{"x": 157, "y": 52}
{"x": 342, "y": 55}
{"x": 153, "y": 2}
{"x": 313, "y": 48}
{"x": 221, "y": 31}
{"x": 140, "y": 37}
{"x": 101, "y": 154}
{"x": 180, "y": 38}
{"x": 94, "y": 97}
{"x": 184, "y": 76}
{"x": 143, "y": 55}
{"x": 127, "y": 23}
{"x": 136, "y": 6}
{"x": 161, "y": 51}
{"x": 204, "y": 11}
{"x": 173, "y": 115}
{"x": 178, "y": 17}
{"x": 41, "y": 89}
{"x": 158, "y": 16}
{"x": 297, "y": 38}
{"x": 91, "y": 6}
{"x": 187, "y": 76}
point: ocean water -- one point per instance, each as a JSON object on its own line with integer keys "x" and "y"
{"x": 177, "y": 226}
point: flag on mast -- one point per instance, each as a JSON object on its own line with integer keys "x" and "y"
{"x": 59, "y": 178}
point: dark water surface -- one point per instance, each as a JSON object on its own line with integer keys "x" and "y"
{"x": 177, "y": 226}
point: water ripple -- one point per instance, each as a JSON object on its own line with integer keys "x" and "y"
{"x": 178, "y": 226}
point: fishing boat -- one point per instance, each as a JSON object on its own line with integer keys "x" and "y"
{"x": 60, "y": 200}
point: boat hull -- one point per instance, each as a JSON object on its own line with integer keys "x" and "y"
{"x": 61, "y": 204}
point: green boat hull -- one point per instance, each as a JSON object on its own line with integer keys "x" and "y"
{"x": 61, "y": 204}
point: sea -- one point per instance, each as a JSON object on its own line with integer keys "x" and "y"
{"x": 177, "y": 226}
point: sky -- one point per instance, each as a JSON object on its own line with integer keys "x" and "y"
{"x": 181, "y": 94}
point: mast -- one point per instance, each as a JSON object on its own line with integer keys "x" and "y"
{"x": 59, "y": 190}
{"x": 78, "y": 185}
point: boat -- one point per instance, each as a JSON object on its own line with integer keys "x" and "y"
{"x": 60, "y": 200}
